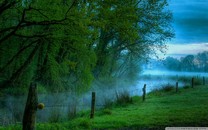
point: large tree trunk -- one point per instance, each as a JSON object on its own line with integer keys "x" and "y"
{"x": 29, "y": 118}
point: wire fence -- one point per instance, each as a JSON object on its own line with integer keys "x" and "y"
{"x": 61, "y": 105}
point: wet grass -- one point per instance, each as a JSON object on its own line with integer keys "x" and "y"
{"x": 188, "y": 107}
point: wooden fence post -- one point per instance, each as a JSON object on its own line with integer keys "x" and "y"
{"x": 192, "y": 82}
{"x": 203, "y": 80}
{"x": 176, "y": 87}
{"x": 29, "y": 117}
{"x": 92, "y": 105}
{"x": 144, "y": 92}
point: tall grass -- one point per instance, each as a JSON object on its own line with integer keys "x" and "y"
{"x": 123, "y": 97}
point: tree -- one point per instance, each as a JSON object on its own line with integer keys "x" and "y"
{"x": 131, "y": 31}
{"x": 172, "y": 63}
{"x": 187, "y": 63}
{"x": 202, "y": 61}
{"x": 64, "y": 44}
{"x": 46, "y": 41}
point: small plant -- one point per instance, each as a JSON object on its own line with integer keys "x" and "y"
{"x": 167, "y": 88}
{"x": 72, "y": 107}
{"x": 197, "y": 81}
{"x": 83, "y": 113}
{"x": 123, "y": 98}
{"x": 85, "y": 123}
{"x": 186, "y": 86}
{"x": 72, "y": 112}
{"x": 185, "y": 79}
{"x": 108, "y": 103}
{"x": 156, "y": 92}
{"x": 107, "y": 111}
{"x": 55, "y": 116}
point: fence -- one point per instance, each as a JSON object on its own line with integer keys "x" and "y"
{"x": 93, "y": 102}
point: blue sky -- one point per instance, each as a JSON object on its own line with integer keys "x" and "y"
{"x": 190, "y": 22}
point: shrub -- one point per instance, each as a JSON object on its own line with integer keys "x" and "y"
{"x": 155, "y": 92}
{"x": 72, "y": 112}
{"x": 167, "y": 88}
{"x": 85, "y": 123}
{"x": 55, "y": 115}
{"x": 186, "y": 86}
{"x": 197, "y": 81}
{"x": 72, "y": 109}
{"x": 107, "y": 111}
{"x": 185, "y": 79}
{"x": 123, "y": 97}
{"x": 108, "y": 103}
{"x": 83, "y": 113}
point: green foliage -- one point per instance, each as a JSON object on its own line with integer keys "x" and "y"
{"x": 55, "y": 115}
{"x": 123, "y": 98}
{"x": 167, "y": 88}
{"x": 192, "y": 63}
{"x": 84, "y": 123}
{"x": 107, "y": 112}
{"x": 72, "y": 112}
{"x": 120, "y": 49}
{"x": 108, "y": 103}
{"x": 65, "y": 45}
{"x": 186, "y": 86}
{"x": 198, "y": 81}
{"x": 156, "y": 113}
{"x": 41, "y": 89}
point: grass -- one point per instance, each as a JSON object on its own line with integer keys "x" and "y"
{"x": 188, "y": 107}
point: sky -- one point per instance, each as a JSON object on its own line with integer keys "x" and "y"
{"x": 190, "y": 22}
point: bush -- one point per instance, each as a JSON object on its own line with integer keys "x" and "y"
{"x": 108, "y": 103}
{"x": 85, "y": 123}
{"x": 162, "y": 91}
{"x": 72, "y": 112}
{"x": 72, "y": 108}
{"x": 197, "y": 81}
{"x": 107, "y": 111}
{"x": 156, "y": 92}
{"x": 185, "y": 79}
{"x": 123, "y": 98}
{"x": 55, "y": 115}
{"x": 186, "y": 86}
{"x": 167, "y": 88}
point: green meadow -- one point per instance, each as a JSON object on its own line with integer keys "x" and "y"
{"x": 162, "y": 108}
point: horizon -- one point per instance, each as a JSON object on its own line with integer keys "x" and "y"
{"x": 190, "y": 23}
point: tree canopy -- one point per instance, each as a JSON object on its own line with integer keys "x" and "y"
{"x": 66, "y": 44}
{"x": 189, "y": 63}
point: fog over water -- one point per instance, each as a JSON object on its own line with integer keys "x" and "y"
{"x": 173, "y": 73}
{"x": 190, "y": 25}
{"x": 59, "y": 105}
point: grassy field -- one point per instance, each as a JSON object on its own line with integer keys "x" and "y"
{"x": 188, "y": 107}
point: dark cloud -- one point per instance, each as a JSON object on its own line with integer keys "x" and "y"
{"x": 190, "y": 20}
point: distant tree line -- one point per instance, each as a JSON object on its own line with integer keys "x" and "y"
{"x": 64, "y": 44}
{"x": 193, "y": 63}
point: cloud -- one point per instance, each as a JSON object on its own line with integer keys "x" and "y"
{"x": 186, "y": 49}
{"x": 190, "y": 20}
